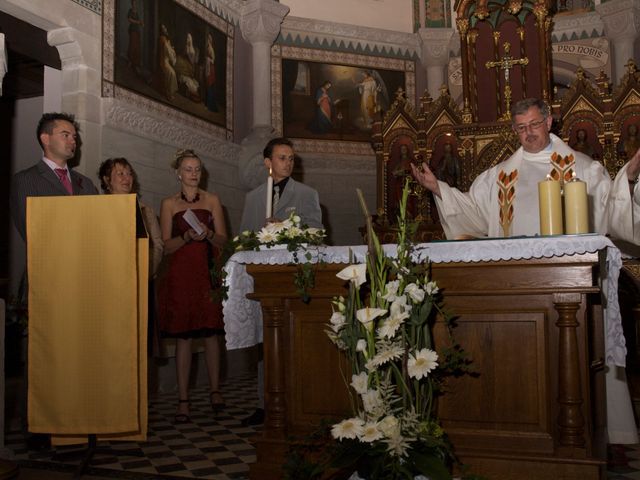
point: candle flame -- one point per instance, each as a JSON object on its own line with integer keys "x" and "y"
{"x": 270, "y": 172}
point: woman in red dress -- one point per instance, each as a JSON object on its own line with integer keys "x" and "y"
{"x": 187, "y": 307}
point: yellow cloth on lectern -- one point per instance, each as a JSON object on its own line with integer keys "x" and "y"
{"x": 87, "y": 317}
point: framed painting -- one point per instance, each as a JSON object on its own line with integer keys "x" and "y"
{"x": 174, "y": 56}
{"x": 327, "y": 101}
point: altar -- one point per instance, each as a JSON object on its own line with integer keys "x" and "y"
{"x": 538, "y": 316}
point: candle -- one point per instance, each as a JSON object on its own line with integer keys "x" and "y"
{"x": 550, "y": 205}
{"x": 269, "y": 195}
{"x": 576, "y": 212}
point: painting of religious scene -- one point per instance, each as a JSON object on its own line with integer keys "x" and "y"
{"x": 334, "y": 102}
{"x": 167, "y": 53}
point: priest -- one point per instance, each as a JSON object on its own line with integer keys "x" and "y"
{"x": 613, "y": 205}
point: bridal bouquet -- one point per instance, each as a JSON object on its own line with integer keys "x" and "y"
{"x": 385, "y": 329}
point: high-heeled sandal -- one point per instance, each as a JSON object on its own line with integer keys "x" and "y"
{"x": 216, "y": 406}
{"x": 181, "y": 418}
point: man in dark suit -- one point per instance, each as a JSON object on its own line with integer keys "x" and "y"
{"x": 57, "y": 135}
{"x": 288, "y": 196}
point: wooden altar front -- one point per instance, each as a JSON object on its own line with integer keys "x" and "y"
{"x": 534, "y": 330}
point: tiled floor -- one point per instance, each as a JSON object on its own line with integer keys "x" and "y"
{"x": 212, "y": 447}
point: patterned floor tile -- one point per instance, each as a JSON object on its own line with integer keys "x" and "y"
{"x": 214, "y": 447}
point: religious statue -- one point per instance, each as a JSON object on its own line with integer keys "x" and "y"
{"x": 399, "y": 170}
{"x": 630, "y": 142}
{"x": 582, "y": 143}
{"x": 448, "y": 168}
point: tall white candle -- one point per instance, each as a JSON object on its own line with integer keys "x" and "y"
{"x": 269, "y": 195}
{"x": 576, "y": 210}
{"x": 550, "y": 204}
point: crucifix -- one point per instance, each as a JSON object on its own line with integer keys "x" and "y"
{"x": 506, "y": 63}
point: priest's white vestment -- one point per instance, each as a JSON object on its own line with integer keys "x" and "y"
{"x": 477, "y": 212}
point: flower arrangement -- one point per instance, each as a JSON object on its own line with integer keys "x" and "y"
{"x": 385, "y": 328}
{"x": 292, "y": 233}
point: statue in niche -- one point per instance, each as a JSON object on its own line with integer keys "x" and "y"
{"x": 582, "y": 143}
{"x": 448, "y": 167}
{"x": 630, "y": 142}
{"x": 399, "y": 169}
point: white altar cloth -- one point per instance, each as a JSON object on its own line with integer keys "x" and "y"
{"x": 243, "y": 317}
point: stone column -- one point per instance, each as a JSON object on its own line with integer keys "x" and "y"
{"x": 3, "y": 61}
{"x": 435, "y": 44}
{"x": 260, "y": 26}
{"x": 621, "y": 20}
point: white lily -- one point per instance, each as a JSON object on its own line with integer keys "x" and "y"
{"x": 354, "y": 273}
{"x": 367, "y": 315}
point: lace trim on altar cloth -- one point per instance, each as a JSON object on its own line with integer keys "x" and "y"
{"x": 243, "y": 317}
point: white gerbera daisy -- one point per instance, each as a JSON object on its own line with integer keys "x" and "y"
{"x": 370, "y": 433}
{"x": 349, "y": 428}
{"x": 421, "y": 363}
{"x": 266, "y": 236}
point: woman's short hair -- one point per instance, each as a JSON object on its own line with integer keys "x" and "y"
{"x": 106, "y": 168}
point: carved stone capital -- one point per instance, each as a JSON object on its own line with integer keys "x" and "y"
{"x": 621, "y": 18}
{"x": 75, "y": 47}
{"x": 261, "y": 19}
{"x": 436, "y": 44}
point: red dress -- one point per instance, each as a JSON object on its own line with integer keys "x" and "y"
{"x": 187, "y": 307}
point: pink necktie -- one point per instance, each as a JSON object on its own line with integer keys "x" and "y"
{"x": 64, "y": 179}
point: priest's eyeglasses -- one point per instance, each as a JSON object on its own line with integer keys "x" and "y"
{"x": 523, "y": 127}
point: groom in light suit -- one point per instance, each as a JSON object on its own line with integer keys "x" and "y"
{"x": 288, "y": 196}
{"x": 57, "y": 135}
{"x": 50, "y": 177}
